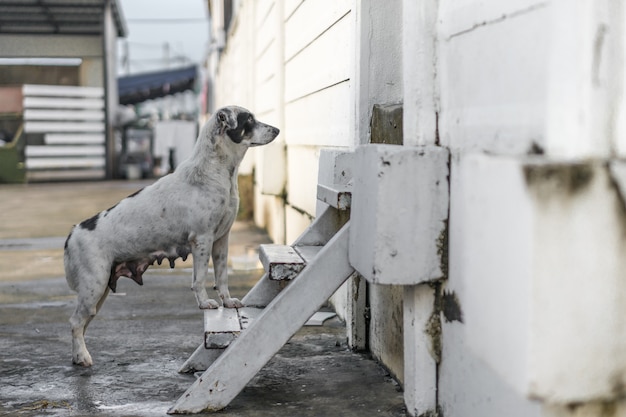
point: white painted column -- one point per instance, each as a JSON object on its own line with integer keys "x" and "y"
{"x": 422, "y": 325}
{"x": 419, "y": 65}
{"x": 422, "y": 349}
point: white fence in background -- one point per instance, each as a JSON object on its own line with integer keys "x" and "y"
{"x": 72, "y": 121}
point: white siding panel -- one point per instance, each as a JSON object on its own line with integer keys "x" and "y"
{"x": 50, "y": 163}
{"x": 64, "y": 151}
{"x": 78, "y": 174}
{"x": 297, "y": 222}
{"x": 266, "y": 96}
{"x": 303, "y": 165}
{"x": 302, "y": 29}
{"x": 64, "y": 103}
{"x": 73, "y": 139}
{"x": 290, "y": 6}
{"x": 62, "y": 91}
{"x": 30, "y": 114}
{"x": 320, "y": 118}
{"x": 262, "y": 12}
{"x": 45, "y": 127}
{"x": 264, "y": 39}
{"x": 320, "y": 64}
{"x": 272, "y": 164}
{"x": 493, "y": 86}
{"x": 266, "y": 65}
{"x": 234, "y": 82}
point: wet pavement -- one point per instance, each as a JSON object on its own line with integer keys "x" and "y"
{"x": 143, "y": 334}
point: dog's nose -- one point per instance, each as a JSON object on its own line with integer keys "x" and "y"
{"x": 275, "y": 131}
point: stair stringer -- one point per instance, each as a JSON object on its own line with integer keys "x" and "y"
{"x": 318, "y": 233}
{"x": 265, "y": 290}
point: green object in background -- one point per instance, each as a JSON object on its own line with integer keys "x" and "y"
{"x": 12, "y": 167}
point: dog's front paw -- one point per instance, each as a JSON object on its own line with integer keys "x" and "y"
{"x": 232, "y": 303}
{"x": 205, "y": 305}
{"x": 82, "y": 359}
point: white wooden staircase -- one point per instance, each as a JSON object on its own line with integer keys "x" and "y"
{"x": 383, "y": 211}
{"x": 298, "y": 280}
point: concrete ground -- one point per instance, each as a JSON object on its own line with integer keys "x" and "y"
{"x": 144, "y": 334}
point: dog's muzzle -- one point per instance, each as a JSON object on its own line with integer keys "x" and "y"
{"x": 268, "y": 135}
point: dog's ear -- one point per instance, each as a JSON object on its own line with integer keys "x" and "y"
{"x": 226, "y": 120}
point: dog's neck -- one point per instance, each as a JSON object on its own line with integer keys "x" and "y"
{"x": 214, "y": 157}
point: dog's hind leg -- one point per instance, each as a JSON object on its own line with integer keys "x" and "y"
{"x": 200, "y": 250}
{"x": 90, "y": 299}
{"x": 220, "y": 264}
{"x": 98, "y": 307}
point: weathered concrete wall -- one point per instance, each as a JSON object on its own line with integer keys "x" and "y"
{"x": 521, "y": 103}
{"x": 492, "y": 96}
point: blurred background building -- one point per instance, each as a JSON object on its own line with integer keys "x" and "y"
{"x": 113, "y": 71}
{"x": 70, "y": 49}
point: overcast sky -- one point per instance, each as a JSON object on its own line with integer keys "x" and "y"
{"x": 182, "y": 24}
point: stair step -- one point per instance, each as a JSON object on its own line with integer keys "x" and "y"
{"x": 281, "y": 262}
{"x": 338, "y": 196}
{"x": 223, "y": 325}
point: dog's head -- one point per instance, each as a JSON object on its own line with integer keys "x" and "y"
{"x": 240, "y": 126}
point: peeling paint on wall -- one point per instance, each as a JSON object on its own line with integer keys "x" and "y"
{"x": 617, "y": 182}
{"x": 450, "y": 307}
{"x": 550, "y": 179}
{"x": 432, "y": 413}
{"x": 433, "y": 325}
{"x": 442, "y": 250}
{"x": 433, "y": 330}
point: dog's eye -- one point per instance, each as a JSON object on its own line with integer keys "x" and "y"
{"x": 221, "y": 117}
{"x": 250, "y": 119}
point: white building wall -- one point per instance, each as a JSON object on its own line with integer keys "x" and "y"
{"x": 319, "y": 43}
{"x": 272, "y": 45}
{"x": 248, "y": 73}
{"x": 506, "y": 87}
